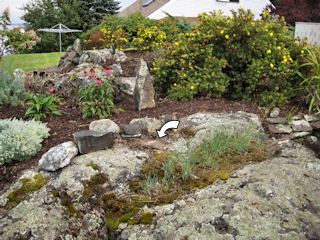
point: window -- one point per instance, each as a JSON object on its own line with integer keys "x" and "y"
{"x": 147, "y": 3}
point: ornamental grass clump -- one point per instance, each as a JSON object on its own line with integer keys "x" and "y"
{"x": 20, "y": 140}
{"x": 233, "y": 56}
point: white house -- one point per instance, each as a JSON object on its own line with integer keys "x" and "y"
{"x": 191, "y": 8}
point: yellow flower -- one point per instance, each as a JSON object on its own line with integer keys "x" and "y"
{"x": 175, "y": 84}
{"x": 271, "y": 34}
{"x": 248, "y": 33}
{"x": 267, "y": 30}
{"x": 226, "y": 36}
{"x": 234, "y": 35}
{"x": 222, "y": 32}
{"x": 271, "y": 65}
{"x": 192, "y": 87}
{"x": 268, "y": 51}
{"x": 279, "y": 48}
{"x": 176, "y": 43}
{"x": 302, "y": 51}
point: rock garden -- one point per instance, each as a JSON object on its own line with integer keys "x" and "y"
{"x": 82, "y": 158}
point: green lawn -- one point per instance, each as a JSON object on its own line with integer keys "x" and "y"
{"x": 30, "y": 62}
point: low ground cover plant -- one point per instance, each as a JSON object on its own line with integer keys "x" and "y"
{"x": 12, "y": 91}
{"x": 20, "y": 140}
{"x": 234, "y": 56}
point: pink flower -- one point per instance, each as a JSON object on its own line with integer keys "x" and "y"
{"x": 90, "y": 77}
{"x": 51, "y": 90}
{"x": 92, "y": 71}
{"x": 55, "y": 94}
{"x": 98, "y": 81}
{"x": 107, "y": 70}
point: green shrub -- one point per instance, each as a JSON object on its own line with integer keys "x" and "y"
{"x": 12, "y": 91}
{"x": 247, "y": 59}
{"x": 115, "y": 29}
{"x": 20, "y": 140}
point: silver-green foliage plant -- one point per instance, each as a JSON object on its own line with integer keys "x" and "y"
{"x": 12, "y": 91}
{"x": 20, "y": 140}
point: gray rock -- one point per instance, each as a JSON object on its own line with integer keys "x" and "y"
{"x": 311, "y": 118}
{"x": 117, "y": 70}
{"x": 144, "y": 91}
{"x": 131, "y": 129}
{"x": 101, "y": 55}
{"x": 127, "y": 84}
{"x": 281, "y": 120}
{"x": 300, "y": 134}
{"x": 275, "y": 112}
{"x": 77, "y": 45}
{"x": 315, "y": 125}
{"x": 91, "y": 141}
{"x": 104, "y": 126}
{"x": 19, "y": 73}
{"x": 58, "y": 156}
{"x": 112, "y": 49}
{"x": 147, "y": 125}
{"x": 262, "y": 195}
{"x": 168, "y": 117}
{"x": 300, "y": 126}
{"x": 76, "y": 60}
{"x": 65, "y": 63}
{"x": 280, "y": 128}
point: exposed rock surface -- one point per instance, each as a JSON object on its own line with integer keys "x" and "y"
{"x": 147, "y": 125}
{"x": 58, "y": 156}
{"x": 276, "y": 199}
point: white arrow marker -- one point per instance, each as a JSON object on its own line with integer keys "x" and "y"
{"x": 165, "y": 127}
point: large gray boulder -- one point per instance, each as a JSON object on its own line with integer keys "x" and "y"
{"x": 101, "y": 55}
{"x": 104, "y": 126}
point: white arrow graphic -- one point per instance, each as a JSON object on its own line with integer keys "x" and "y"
{"x": 165, "y": 127}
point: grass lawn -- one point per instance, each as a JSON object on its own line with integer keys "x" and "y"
{"x": 30, "y": 62}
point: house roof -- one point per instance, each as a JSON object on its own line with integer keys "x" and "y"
{"x": 145, "y": 11}
{"x": 192, "y": 8}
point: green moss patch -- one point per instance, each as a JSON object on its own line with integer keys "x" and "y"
{"x": 29, "y": 186}
{"x": 94, "y": 187}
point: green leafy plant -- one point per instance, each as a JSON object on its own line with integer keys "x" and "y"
{"x": 232, "y": 55}
{"x": 42, "y": 106}
{"x": 310, "y": 74}
{"x": 20, "y": 140}
{"x": 151, "y": 38}
{"x": 97, "y": 99}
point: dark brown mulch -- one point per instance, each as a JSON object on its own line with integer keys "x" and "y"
{"x": 63, "y": 126}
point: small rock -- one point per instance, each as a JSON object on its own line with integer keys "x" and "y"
{"x": 301, "y": 126}
{"x": 311, "y": 118}
{"x": 301, "y": 134}
{"x": 117, "y": 71}
{"x": 148, "y": 125}
{"x": 104, "y": 126}
{"x": 315, "y": 125}
{"x": 280, "y": 128}
{"x": 58, "y": 156}
{"x": 112, "y": 49}
{"x": 281, "y": 120}
{"x": 131, "y": 129}
{"x": 168, "y": 117}
{"x": 275, "y": 112}
{"x": 91, "y": 141}
{"x": 77, "y": 45}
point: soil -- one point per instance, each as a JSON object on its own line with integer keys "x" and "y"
{"x": 62, "y": 127}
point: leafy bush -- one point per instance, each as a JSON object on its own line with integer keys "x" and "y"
{"x": 113, "y": 29}
{"x": 20, "y": 140}
{"x": 97, "y": 99}
{"x": 42, "y": 106}
{"x": 311, "y": 77}
{"x": 11, "y": 91}
{"x": 256, "y": 60}
{"x": 151, "y": 38}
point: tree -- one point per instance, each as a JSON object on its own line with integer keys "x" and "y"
{"x": 296, "y": 10}
{"x": 46, "y": 14}
{"x": 98, "y": 9}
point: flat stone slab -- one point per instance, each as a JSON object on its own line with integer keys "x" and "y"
{"x": 280, "y": 128}
{"x": 281, "y": 120}
{"x": 91, "y": 141}
{"x": 301, "y": 126}
{"x": 315, "y": 125}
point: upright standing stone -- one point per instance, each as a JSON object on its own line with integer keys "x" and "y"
{"x": 77, "y": 45}
{"x": 144, "y": 92}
